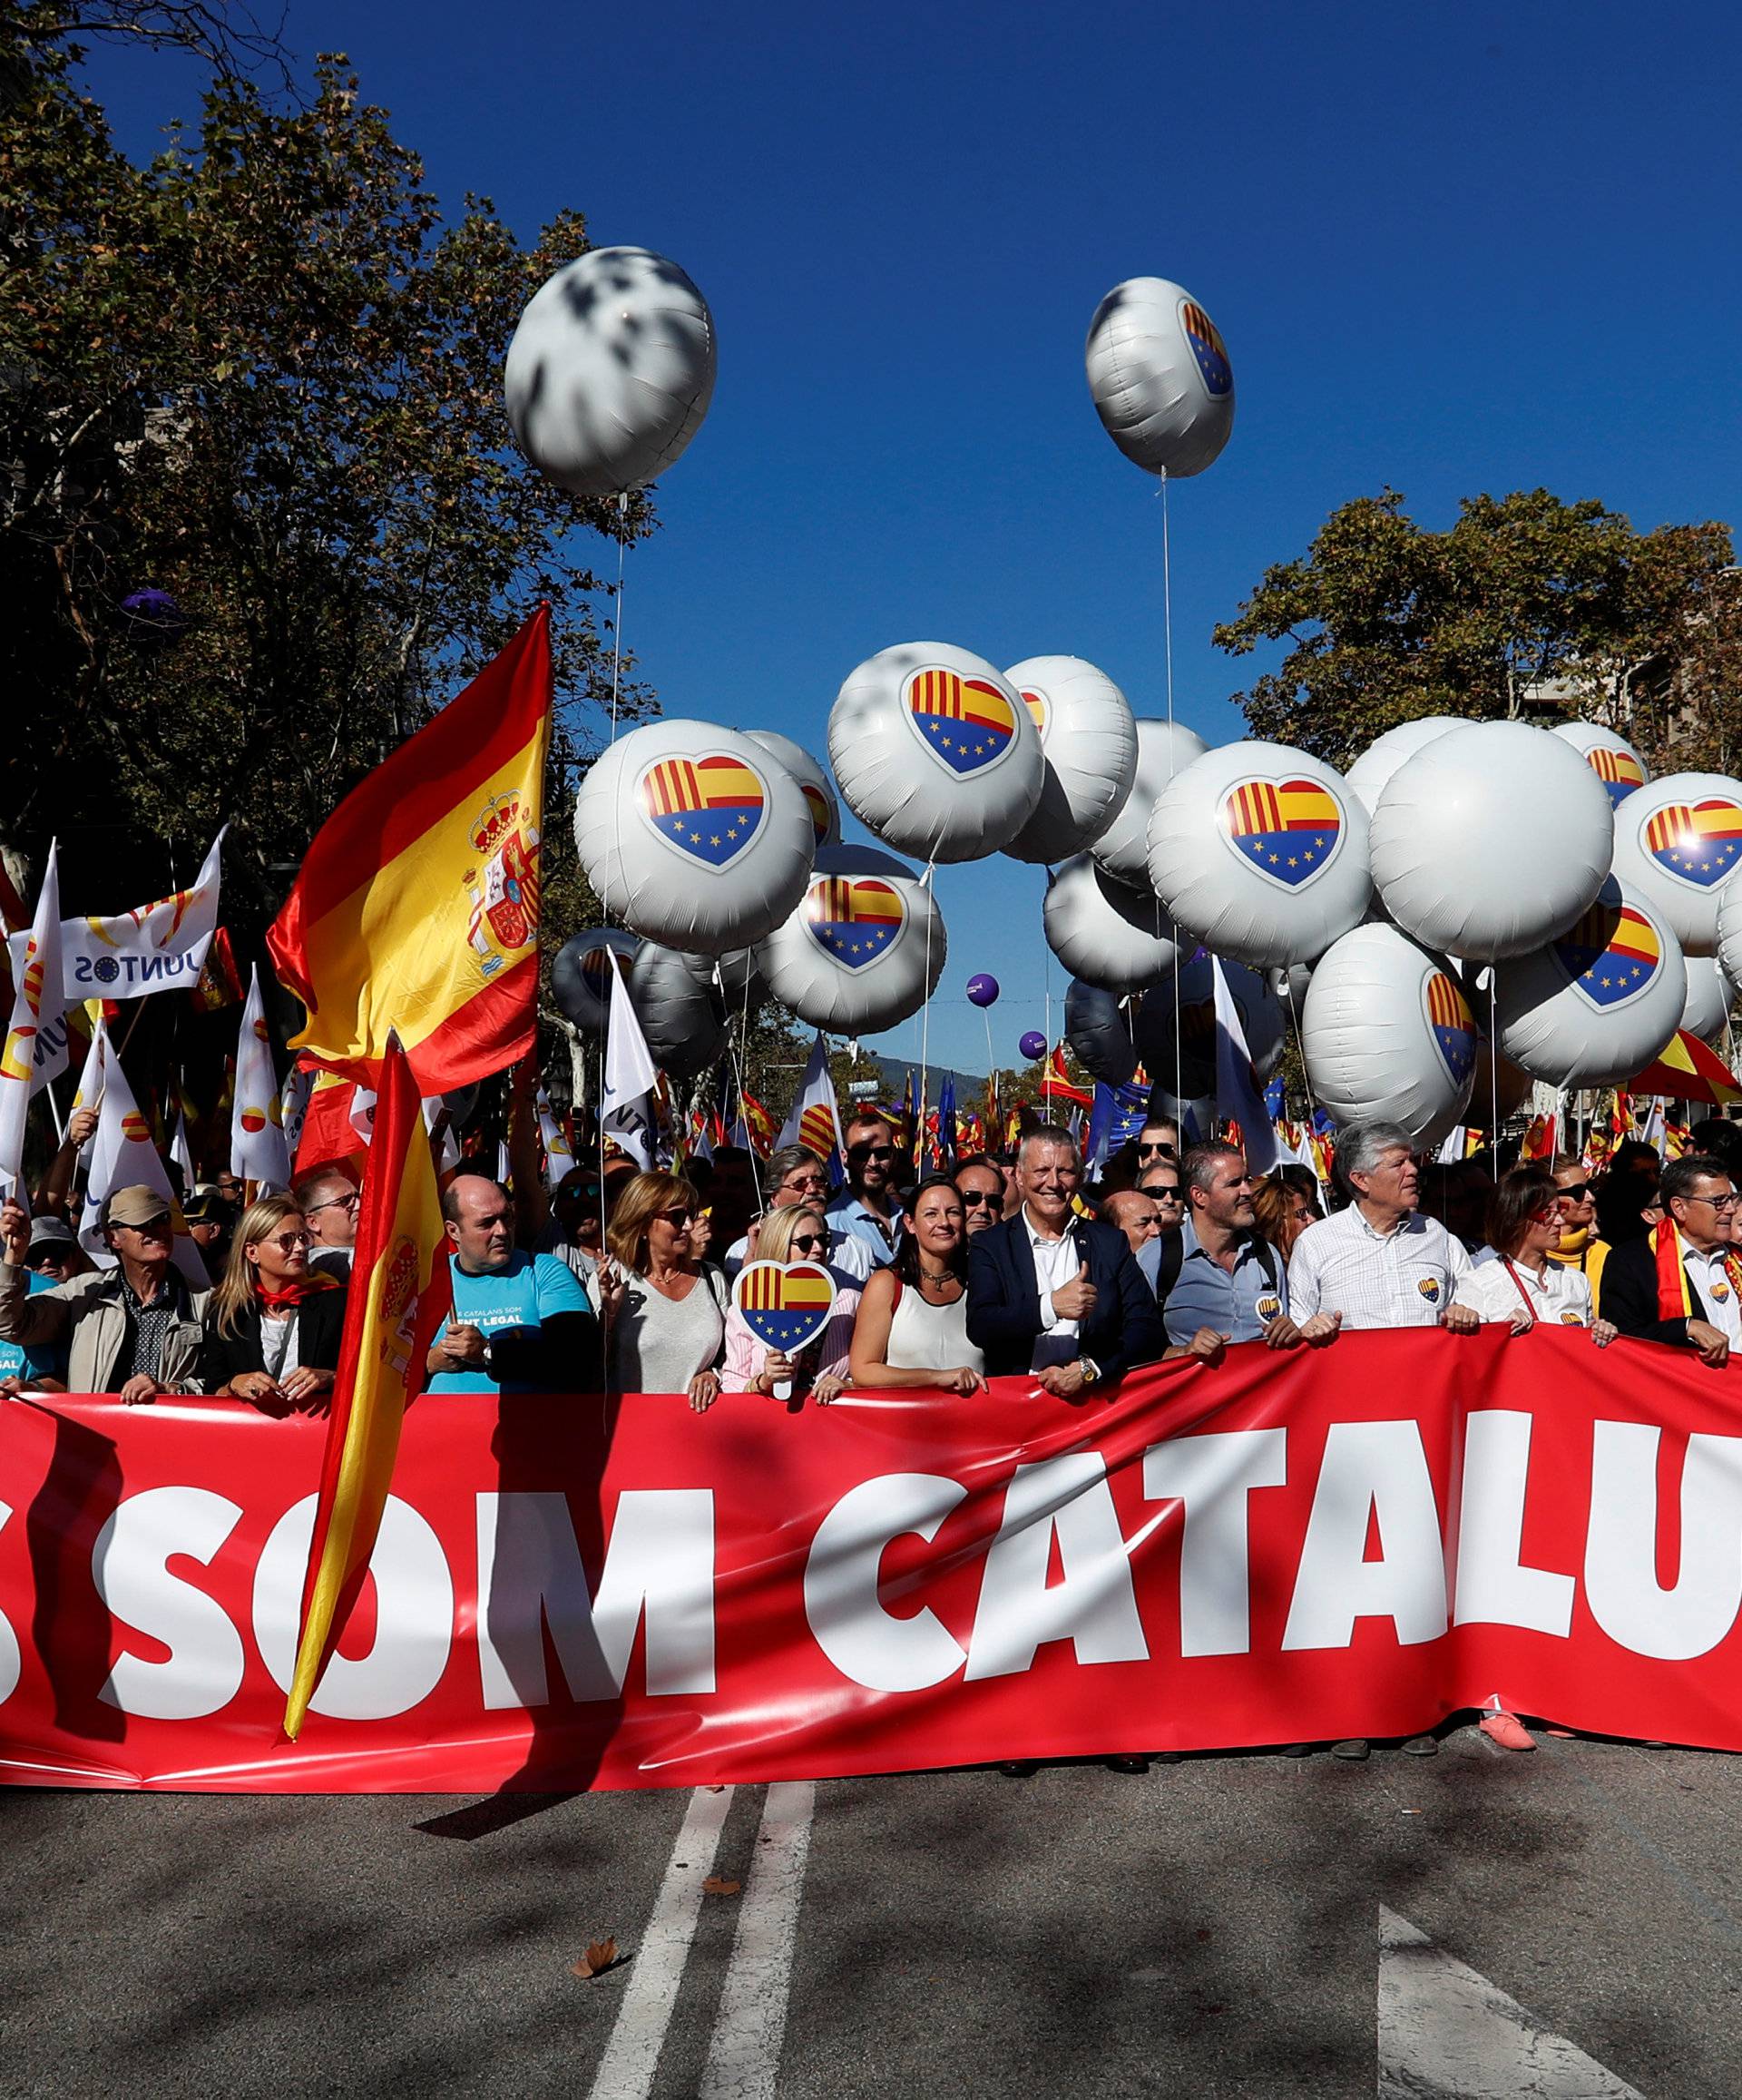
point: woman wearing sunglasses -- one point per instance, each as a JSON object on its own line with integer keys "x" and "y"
{"x": 913, "y": 1327}
{"x": 273, "y": 1323}
{"x": 1523, "y": 1286}
{"x": 664, "y": 1307}
{"x": 794, "y": 1234}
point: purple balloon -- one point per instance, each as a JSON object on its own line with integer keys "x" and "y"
{"x": 1033, "y": 1045}
{"x": 152, "y": 616}
{"x": 984, "y": 989}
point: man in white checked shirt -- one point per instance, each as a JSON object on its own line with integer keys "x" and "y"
{"x": 1380, "y": 1262}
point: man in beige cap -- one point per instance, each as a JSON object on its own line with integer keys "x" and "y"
{"x": 134, "y": 1330}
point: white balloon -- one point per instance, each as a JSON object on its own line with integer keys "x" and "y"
{"x": 1089, "y": 753}
{"x": 1492, "y": 841}
{"x": 1609, "y": 755}
{"x": 1185, "y": 1059}
{"x": 1099, "y": 1032}
{"x": 1385, "y": 753}
{"x": 934, "y": 752}
{"x": 1260, "y": 852}
{"x": 1711, "y": 995}
{"x": 740, "y": 980}
{"x": 1160, "y": 377}
{"x": 1096, "y": 928}
{"x": 679, "y": 1007}
{"x": 1388, "y": 1035}
{"x": 864, "y": 950}
{"x": 1594, "y": 1006}
{"x": 611, "y": 370}
{"x": 581, "y": 975}
{"x": 1163, "y": 751}
{"x": 694, "y": 836}
{"x": 814, "y": 783}
{"x": 1680, "y": 841}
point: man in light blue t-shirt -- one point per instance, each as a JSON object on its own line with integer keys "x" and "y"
{"x": 520, "y": 1322}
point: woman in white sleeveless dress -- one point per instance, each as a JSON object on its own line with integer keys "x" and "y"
{"x": 913, "y": 1323}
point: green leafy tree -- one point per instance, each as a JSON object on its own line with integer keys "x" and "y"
{"x": 1524, "y": 606}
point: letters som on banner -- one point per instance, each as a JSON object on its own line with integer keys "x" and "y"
{"x": 1268, "y": 1552}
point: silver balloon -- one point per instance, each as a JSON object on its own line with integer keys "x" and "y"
{"x": 1183, "y": 1058}
{"x": 1163, "y": 751}
{"x": 1097, "y": 929}
{"x": 1594, "y": 1006}
{"x": 680, "y": 1008}
{"x": 1710, "y": 996}
{"x": 1099, "y": 1031}
{"x": 1367, "y": 776}
{"x": 694, "y": 836}
{"x": 1492, "y": 841}
{"x": 814, "y": 783}
{"x": 1388, "y": 1035}
{"x": 1680, "y": 841}
{"x": 1159, "y": 375}
{"x": 740, "y": 979}
{"x": 610, "y": 371}
{"x": 581, "y": 975}
{"x": 863, "y": 950}
{"x": 1609, "y": 755}
{"x": 1260, "y": 852}
{"x": 1089, "y": 749}
{"x": 934, "y": 753}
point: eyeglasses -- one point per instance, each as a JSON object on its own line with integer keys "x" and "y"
{"x": 1167, "y": 1195}
{"x": 805, "y": 1184}
{"x": 287, "y": 1242}
{"x": 859, "y": 1153}
{"x": 981, "y": 1199}
{"x": 1160, "y": 1150}
{"x": 572, "y": 1192}
{"x": 1574, "y": 1192}
{"x": 678, "y": 1217}
{"x": 1718, "y": 1202}
{"x": 810, "y": 1243}
{"x": 352, "y": 1203}
{"x": 152, "y": 1229}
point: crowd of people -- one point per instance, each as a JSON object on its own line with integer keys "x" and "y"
{"x": 1003, "y": 1267}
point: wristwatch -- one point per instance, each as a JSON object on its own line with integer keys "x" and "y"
{"x": 1091, "y": 1370}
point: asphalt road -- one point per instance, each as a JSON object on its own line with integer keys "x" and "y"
{"x": 1210, "y": 1928}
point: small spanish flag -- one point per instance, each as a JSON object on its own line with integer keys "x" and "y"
{"x": 400, "y": 1287}
{"x": 1689, "y": 1071}
{"x": 417, "y": 906}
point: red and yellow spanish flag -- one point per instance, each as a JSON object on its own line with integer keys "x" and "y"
{"x": 416, "y": 908}
{"x": 1689, "y": 1071}
{"x": 399, "y": 1293}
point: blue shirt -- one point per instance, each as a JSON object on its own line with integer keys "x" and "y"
{"x": 527, "y": 1294}
{"x": 43, "y": 1359}
{"x": 846, "y": 1214}
{"x": 1241, "y": 1305}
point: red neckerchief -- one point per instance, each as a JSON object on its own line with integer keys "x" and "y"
{"x": 275, "y": 1303}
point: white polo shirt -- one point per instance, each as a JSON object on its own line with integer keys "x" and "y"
{"x": 1404, "y": 1277}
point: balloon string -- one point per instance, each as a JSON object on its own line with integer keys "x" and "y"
{"x": 1179, "y": 1050}
{"x": 1493, "y": 1065}
{"x": 925, "y": 1023}
{"x": 616, "y": 675}
{"x": 1167, "y": 596}
{"x": 740, "y": 1055}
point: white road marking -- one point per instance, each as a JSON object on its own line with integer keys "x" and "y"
{"x": 656, "y": 1967}
{"x": 1447, "y": 2034}
{"x": 751, "y": 2023}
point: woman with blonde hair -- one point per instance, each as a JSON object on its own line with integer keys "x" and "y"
{"x": 664, "y": 1307}
{"x": 273, "y": 1324}
{"x": 793, "y": 1234}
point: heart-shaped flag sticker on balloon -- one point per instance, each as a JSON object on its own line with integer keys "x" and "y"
{"x": 785, "y": 1304}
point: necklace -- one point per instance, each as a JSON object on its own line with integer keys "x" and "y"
{"x": 936, "y": 1277}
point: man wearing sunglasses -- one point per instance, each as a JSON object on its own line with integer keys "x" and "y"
{"x": 868, "y": 1207}
{"x": 980, "y": 1183}
{"x": 1682, "y": 1283}
{"x": 796, "y": 1175}
{"x": 1157, "y": 1142}
{"x": 330, "y": 1203}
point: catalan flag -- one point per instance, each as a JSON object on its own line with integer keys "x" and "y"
{"x": 968, "y": 721}
{"x": 416, "y": 908}
{"x": 1696, "y": 842}
{"x": 1287, "y": 830}
{"x": 1453, "y": 1025}
{"x": 1619, "y": 771}
{"x": 1612, "y": 954}
{"x": 710, "y": 808}
{"x": 784, "y": 1306}
{"x": 1687, "y": 1071}
{"x": 400, "y": 1291}
{"x": 1208, "y": 349}
{"x": 854, "y": 918}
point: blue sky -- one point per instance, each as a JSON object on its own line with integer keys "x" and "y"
{"x": 1451, "y": 248}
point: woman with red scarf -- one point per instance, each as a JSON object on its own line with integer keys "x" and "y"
{"x": 273, "y": 1325}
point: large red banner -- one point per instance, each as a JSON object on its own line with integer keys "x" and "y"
{"x": 1359, "y": 1540}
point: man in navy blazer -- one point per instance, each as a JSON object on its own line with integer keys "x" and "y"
{"x": 1051, "y": 1294}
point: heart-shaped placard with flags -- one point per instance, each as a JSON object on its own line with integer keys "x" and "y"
{"x": 1288, "y": 830}
{"x": 1699, "y": 843}
{"x": 708, "y": 807}
{"x": 853, "y": 919}
{"x": 785, "y": 1304}
{"x": 964, "y": 722}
